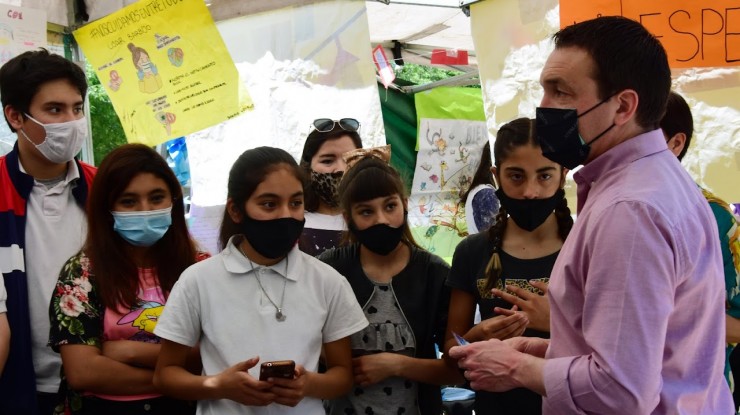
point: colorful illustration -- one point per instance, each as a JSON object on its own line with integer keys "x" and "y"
{"x": 115, "y": 80}
{"x": 202, "y": 90}
{"x": 144, "y": 318}
{"x": 149, "y": 79}
{"x": 444, "y": 170}
{"x": 166, "y": 119}
{"x": 176, "y": 56}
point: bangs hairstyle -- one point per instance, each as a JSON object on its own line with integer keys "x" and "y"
{"x": 248, "y": 171}
{"x": 116, "y": 273}
{"x": 368, "y": 179}
{"x": 313, "y": 143}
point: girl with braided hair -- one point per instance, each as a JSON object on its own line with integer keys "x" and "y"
{"x": 505, "y": 270}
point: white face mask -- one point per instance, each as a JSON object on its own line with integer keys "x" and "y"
{"x": 63, "y": 140}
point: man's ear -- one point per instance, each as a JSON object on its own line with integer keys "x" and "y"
{"x": 677, "y": 143}
{"x": 234, "y": 213}
{"x": 627, "y": 100}
{"x": 15, "y": 118}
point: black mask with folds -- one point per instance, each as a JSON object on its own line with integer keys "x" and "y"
{"x": 529, "y": 214}
{"x": 272, "y": 238}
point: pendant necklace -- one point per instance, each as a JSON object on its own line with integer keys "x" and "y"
{"x": 279, "y": 316}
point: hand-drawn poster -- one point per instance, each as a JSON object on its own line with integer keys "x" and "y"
{"x": 452, "y": 133}
{"x": 694, "y": 33}
{"x": 21, "y": 29}
{"x": 165, "y": 68}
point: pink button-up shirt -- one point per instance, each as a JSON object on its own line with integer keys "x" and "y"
{"x": 637, "y": 294}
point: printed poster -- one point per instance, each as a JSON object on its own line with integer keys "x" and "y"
{"x": 452, "y": 133}
{"x": 165, "y": 68}
{"x": 21, "y": 29}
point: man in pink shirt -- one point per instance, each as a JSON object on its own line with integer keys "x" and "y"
{"x": 636, "y": 295}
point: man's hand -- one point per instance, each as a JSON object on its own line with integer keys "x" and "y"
{"x": 534, "y": 346}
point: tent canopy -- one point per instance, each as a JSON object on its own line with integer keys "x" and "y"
{"x": 417, "y": 25}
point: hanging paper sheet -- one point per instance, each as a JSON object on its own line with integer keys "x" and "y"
{"x": 21, "y": 29}
{"x": 165, "y": 68}
{"x": 452, "y": 133}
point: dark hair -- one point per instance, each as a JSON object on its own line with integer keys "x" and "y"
{"x": 116, "y": 273}
{"x": 514, "y": 134}
{"x": 678, "y": 119}
{"x": 248, "y": 171}
{"x": 313, "y": 144}
{"x": 368, "y": 179}
{"x": 22, "y": 77}
{"x": 482, "y": 174}
{"x": 626, "y": 56}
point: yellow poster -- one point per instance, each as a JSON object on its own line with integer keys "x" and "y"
{"x": 165, "y": 68}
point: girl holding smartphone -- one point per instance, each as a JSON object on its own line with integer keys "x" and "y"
{"x": 261, "y": 299}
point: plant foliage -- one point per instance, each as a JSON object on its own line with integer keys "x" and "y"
{"x": 107, "y": 131}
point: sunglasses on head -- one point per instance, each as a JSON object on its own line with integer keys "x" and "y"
{"x": 324, "y": 125}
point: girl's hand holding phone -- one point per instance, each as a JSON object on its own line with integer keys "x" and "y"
{"x": 290, "y": 392}
{"x": 236, "y": 384}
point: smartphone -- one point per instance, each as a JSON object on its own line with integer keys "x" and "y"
{"x": 277, "y": 369}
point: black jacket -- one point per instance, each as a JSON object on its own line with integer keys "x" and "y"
{"x": 424, "y": 299}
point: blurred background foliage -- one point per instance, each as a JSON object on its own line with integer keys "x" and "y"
{"x": 107, "y": 132}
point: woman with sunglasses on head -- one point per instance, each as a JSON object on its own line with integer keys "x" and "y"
{"x": 507, "y": 268}
{"x": 109, "y": 296}
{"x": 401, "y": 288}
{"x": 322, "y": 161}
{"x": 261, "y": 299}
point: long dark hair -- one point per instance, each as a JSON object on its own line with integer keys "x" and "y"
{"x": 314, "y": 141}
{"x": 368, "y": 179}
{"x": 248, "y": 171}
{"x": 116, "y": 273}
{"x": 482, "y": 174}
{"x": 514, "y": 134}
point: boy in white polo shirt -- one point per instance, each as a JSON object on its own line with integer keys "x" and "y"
{"x": 43, "y": 191}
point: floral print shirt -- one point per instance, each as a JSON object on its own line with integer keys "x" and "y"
{"x": 78, "y": 316}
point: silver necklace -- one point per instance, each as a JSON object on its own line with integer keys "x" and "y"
{"x": 279, "y": 315}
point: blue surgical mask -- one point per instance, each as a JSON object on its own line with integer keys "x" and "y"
{"x": 143, "y": 228}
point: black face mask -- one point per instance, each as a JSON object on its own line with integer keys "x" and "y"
{"x": 272, "y": 238}
{"x": 557, "y": 133}
{"x": 380, "y": 239}
{"x": 529, "y": 214}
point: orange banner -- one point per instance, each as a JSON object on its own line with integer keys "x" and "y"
{"x": 695, "y": 33}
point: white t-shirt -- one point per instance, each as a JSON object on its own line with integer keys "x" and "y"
{"x": 56, "y": 227}
{"x": 219, "y": 303}
{"x": 315, "y": 220}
